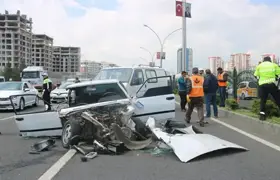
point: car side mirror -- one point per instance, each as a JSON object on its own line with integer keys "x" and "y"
{"x": 26, "y": 89}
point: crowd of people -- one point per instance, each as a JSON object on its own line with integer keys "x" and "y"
{"x": 202, "y": 87}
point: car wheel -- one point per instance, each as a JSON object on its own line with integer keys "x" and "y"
{"x": 21, "y": 104}
{"x": 70, "y": 129}
{"x": 36, "y": 102}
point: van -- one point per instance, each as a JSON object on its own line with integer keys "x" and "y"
{"x": 247, "y": 90}
{"x": 131, "y": 77}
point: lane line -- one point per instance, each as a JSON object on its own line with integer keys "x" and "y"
{"x": 267, "y": 143}
{"x": 6, "y": 118}
{"x": 56, "y": 167}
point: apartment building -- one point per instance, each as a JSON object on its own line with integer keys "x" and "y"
{"x": 66, "y": 59}
{"x": 241, "y": 61}
{"x": 42, "y": 51}
{"x": 215, "y": 63}
{"x": 105, "y": 64}
{"x": 15, "y": 39}
{"x": 90, "y": 67}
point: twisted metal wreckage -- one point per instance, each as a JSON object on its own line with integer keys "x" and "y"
{"x": 112, "y": 129}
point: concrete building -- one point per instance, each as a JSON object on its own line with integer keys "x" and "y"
{"x": 241, "y": 61}
{"x": 90, "y": 68}
{"x": 186, "y": 65}
{"x": 42, "y": 52}
{"x": 15, "y": 39}
{"x": 105, "y": 64}
{"x": 66, "y": 59}
{"x": 215, "y": 63}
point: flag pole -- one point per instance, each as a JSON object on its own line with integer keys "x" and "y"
{"x": 184, "y": 38}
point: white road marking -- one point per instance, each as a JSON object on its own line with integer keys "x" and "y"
{"x": 6, "y": 118}
{"x": 56, "y": 167}
{"x": 267, "y": 143}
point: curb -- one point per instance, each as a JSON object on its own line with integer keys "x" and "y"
{"x": 251, "y": 118}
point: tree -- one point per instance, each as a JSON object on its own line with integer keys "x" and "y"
{"x": 234, "y": 83}
{"x": 10, "y": 72}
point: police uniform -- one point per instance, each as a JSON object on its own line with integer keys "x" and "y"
{"x": 196, "y": 94}
{"x": 47, "y": 87}
{"x": 267, "y": 74}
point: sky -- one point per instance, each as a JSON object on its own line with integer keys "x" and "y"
{"x": 113, "y": 30}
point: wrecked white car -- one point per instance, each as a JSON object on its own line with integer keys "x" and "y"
{"x": 103, "y": 100}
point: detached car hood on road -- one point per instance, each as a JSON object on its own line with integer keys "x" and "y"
{"x": 6, "y": 94}
{"x": 188, "y": 145}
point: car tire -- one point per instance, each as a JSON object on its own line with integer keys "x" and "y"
{"x": 70, "y": 129}
{"x": 21, "y": 104}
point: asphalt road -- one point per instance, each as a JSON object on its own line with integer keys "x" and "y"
{"x": 259, "y": 163}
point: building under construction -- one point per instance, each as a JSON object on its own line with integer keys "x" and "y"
{"x": 15, "y": 39}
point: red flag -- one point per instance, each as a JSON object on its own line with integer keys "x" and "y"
{"x": 158, "y": 55}
{"x": 179, "y": 8}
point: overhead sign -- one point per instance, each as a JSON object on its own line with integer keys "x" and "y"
{"x": 179, "y": 9}
{"x": 161, "y": 55}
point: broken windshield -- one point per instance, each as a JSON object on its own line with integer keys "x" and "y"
{"x": 121, "y": 74}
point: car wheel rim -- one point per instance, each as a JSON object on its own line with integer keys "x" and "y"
{"x": 66, "y": 134}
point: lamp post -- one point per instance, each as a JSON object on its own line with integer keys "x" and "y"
{"x": 160, "y": 41}
{"x": 152, "y": 57}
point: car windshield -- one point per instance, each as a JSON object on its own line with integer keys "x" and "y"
{"x": 64, "y": 85}
{"x": 121, "y": 74}
{"x": 10, "y": 86}
{"x": 31, "y": 75}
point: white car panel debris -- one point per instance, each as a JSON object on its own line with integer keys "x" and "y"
{"x": 199, "y": 143}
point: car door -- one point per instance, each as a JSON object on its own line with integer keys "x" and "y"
{"x": 156, "y": 99}
{"x": 136, "y": 81}
{"x": 36, "y": 122}
{"x": 26, "y": 92}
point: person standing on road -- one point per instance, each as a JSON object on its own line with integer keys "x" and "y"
{"x": 267, "y": 74}
{"x": 210, "y": 87}
{"x": 196, "y": 95}
{"x": 222, "y": 82}
{"x": 182, "y": 90}
{"x": 47, "y": 87}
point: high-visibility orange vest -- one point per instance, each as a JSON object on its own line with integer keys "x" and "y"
{"x": 221, "y": 77}
{"x": 197, "y": 86}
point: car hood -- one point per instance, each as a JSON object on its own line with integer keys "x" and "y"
{"x": 60, "y": 91}
{"x": 6, "y": 94}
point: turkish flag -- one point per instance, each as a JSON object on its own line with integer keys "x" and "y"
{"x": 179, "y": 8}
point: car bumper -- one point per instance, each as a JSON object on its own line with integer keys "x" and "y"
{"x": 8, "y": 106}
{"x": 56, "y": 99}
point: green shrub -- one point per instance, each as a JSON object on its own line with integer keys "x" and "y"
{"x": 175, "y": 91}
{"x": 271, "y": 108}
{"x": 232, "y": 104}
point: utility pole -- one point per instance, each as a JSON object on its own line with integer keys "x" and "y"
{"x": 184, "y": 36}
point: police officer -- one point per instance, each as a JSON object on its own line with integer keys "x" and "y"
{"x": 47, "y": 87}
{"x": 267, "y": 74}
{"x": 196, "y": 95}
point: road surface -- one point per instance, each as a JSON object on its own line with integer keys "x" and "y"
{"x": 259, "y": 163}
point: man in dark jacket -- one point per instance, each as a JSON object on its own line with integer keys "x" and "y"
{"x": 210, "y": 87}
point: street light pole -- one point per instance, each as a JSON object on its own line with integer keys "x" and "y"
{"x": 161, "y": 42}
{"x": 152, "y": 57}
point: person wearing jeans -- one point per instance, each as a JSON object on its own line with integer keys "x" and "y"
{"x": 210, "y": 87}
{"x": 222, "y": 82}
{"x": 182, "y": 90}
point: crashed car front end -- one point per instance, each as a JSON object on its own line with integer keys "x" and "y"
{"x": 103, "y": 124}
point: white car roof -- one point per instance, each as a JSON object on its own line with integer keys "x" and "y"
{"x": 94, "y": 82}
